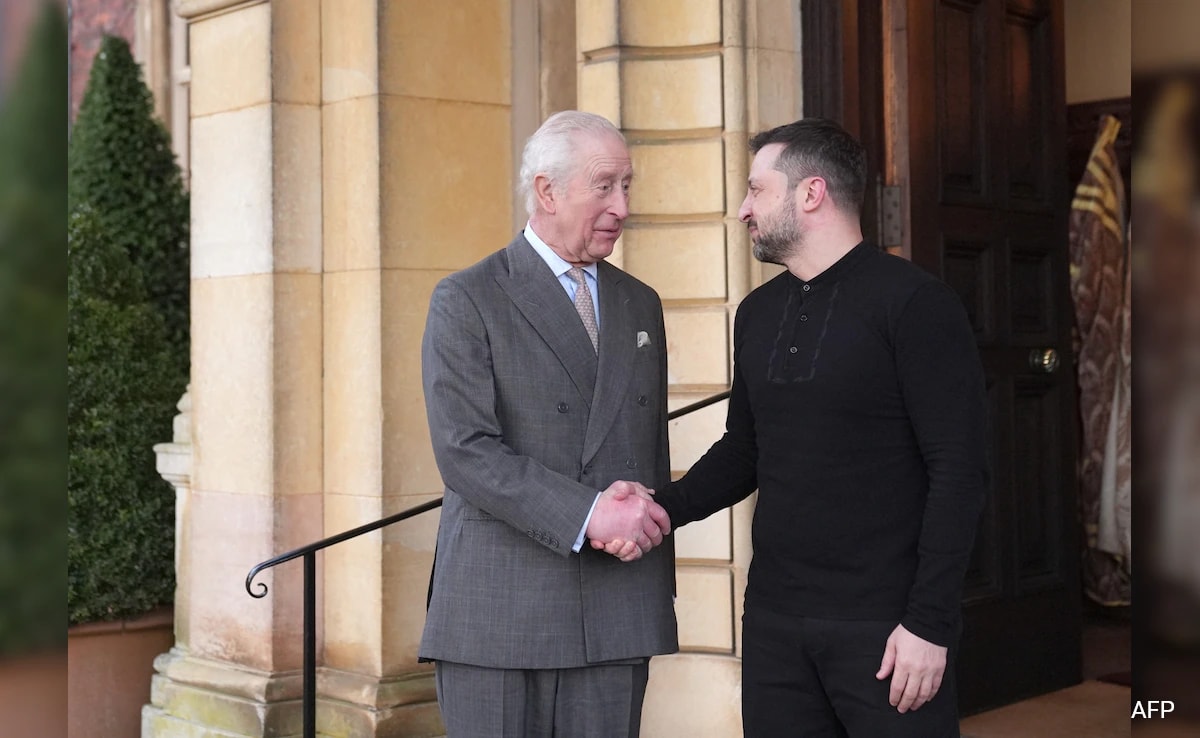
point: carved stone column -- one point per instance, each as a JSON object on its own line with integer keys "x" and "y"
{"x": 255, "y": 483}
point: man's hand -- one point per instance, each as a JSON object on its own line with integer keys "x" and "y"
{"x": 916, "y": 667}
{"x": 627, "y": 516}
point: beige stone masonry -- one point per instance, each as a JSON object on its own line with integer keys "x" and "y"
{"x": 670, "y": 23}
{"x": 600, "y": 89}
{"x": 447, "y": 182}
{"x": 351, "y": 168}
{"x": 703, "y": 605}
{"x": 256, "y": 480}
{"x": 691, "y": 694}
{"x": 409, "y": 471}
{"x": 456, "y": 51}
{"x": 678, "y": 178}
{"x": 349, "y": 51}
{"x": 236, "y": 50}
{"x": 353, "y": 407}
{"x": 678, "y": 260}
{"x": 231, "y": 194}
{"x": 698, "y": 349}
{"x": 706, "y": 543}
{"x": 671, "y": 94}
{"x": 596, "y": 26}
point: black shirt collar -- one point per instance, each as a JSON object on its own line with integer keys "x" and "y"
{"x": 839, "y": 268}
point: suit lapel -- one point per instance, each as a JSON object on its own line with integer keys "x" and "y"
{"x": 536, "y": 292}
{"x": 617, "y": 346}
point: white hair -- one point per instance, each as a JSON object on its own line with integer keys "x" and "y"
{"x": 550, "y": 151}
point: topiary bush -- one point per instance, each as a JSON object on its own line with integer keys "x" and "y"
{"x": 127, "y": 343}
{"x": 121, "y": 395}
{"x": 120, "y": 163}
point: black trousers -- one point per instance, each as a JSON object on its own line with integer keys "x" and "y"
{"x": 814, "y": 678}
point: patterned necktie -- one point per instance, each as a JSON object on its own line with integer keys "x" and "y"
{"x": 584, "y": 306}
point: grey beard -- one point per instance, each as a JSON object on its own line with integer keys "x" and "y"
{"x": 773, "y": 246}
{"x": 771, "y": 249}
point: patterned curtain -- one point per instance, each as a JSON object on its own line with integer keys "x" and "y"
{"x": 1100, "y": 288}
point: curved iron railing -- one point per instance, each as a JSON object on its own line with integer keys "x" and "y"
{"x": 309, "y": 553}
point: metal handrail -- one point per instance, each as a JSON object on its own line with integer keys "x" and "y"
{"x": 309, "y": 553}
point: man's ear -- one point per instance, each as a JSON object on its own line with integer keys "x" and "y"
{"x": 543, "y": 189}
{"x": 812, "y": 192}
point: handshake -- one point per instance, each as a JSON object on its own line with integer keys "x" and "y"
{"x": 627, "y": 522}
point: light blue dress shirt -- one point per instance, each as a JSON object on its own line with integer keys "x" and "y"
{"x": 560, "y": 267}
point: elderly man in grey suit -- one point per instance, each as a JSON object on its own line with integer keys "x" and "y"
{"x": 545, "y": 386}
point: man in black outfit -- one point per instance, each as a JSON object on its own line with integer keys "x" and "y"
{"x": 858, "y": 412}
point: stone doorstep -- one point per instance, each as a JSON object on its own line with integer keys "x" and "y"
{"x": 226, "y": 699}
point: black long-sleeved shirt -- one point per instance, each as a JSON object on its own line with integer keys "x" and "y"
{"x": 858, "y": 410}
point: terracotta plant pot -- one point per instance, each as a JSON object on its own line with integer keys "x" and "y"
{"x": 109, "y": 666}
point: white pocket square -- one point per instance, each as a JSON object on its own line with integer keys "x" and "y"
{"x": 643, "y": 339}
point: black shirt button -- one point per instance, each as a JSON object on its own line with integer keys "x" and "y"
{"x": 806, "y": 287}
{"x": 642, "y": 400}
{"x": 563, "y": 407}
{"x": 792, "y": 349}
{"x": 803, "y": 317}
{"x": 631, "y": 463}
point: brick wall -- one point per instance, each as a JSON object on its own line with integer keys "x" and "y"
{"x": 15, "y": 21}
{"x": 88, "y": 22}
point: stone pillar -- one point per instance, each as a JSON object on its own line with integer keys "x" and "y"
{"x": 256, "y": 418}
{"x": 174, "y": 463}
{"x": 686, "y": 80}
{"x": 416, "y": 134}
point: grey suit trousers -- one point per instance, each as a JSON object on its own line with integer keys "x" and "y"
{"x": 603, "y": 701}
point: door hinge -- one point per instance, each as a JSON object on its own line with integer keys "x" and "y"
{"x": 891, "y": 216}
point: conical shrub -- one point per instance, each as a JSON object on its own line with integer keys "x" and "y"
{"x": 121, "y": 522}
{"x": 121, "y": 164}
{"x": 127, "y": 343}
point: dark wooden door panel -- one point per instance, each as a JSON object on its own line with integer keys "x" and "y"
{"x": 1030, "y": 108}
{"x": 959, "y": 51}
{"x": 1037, "y": 476}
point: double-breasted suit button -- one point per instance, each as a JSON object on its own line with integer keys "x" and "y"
{"x": 563, "y": 407}
{"x": 642, "y": 400}
{"x": 631, "y": 463}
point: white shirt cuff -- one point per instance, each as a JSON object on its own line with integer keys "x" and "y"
{"x": 583, "y": 531}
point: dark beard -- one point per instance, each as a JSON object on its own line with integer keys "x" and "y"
{"x": 778, "y": 239}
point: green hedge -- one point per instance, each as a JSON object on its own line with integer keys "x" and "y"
{"x": 33, "y": 188}
{"x": 127, "y": 343}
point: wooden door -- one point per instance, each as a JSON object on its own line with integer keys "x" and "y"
{"x": 986, "y": 156}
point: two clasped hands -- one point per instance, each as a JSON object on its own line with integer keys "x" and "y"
{"x": 627, "y": 522}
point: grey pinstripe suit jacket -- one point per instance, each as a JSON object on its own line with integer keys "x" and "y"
{"x": 527, "y": 424}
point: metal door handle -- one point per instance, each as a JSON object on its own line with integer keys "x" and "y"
{"x": 1043, "y": 360}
